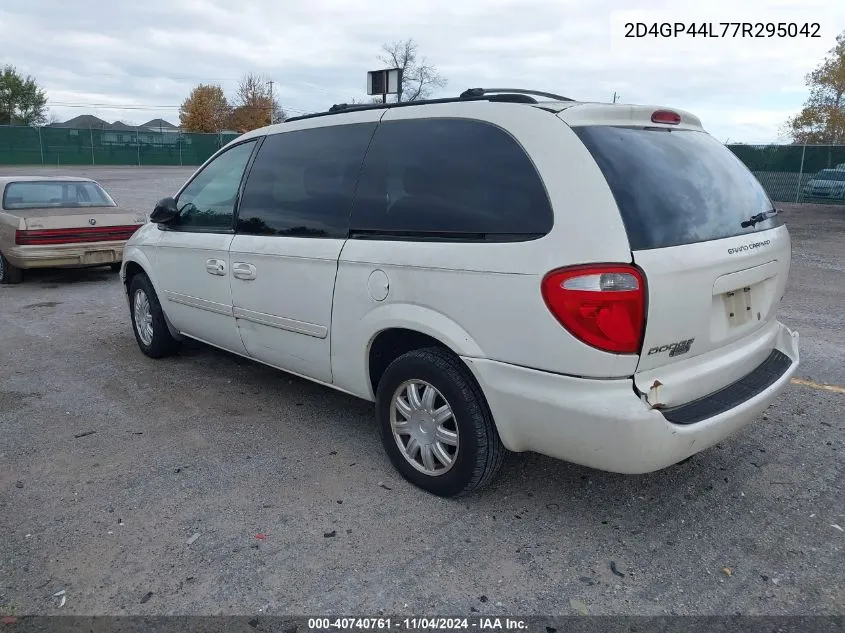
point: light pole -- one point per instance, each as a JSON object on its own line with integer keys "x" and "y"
{"x": 271, "y": 101}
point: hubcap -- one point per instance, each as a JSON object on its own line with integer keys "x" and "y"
{"x": 143, "y": 317}
{"x": 424, "y": 427}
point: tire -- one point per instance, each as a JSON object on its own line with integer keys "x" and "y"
{"x": 479, "y": 452}
{"x": 156, "y": 340}
{"x": 9, "y": 274}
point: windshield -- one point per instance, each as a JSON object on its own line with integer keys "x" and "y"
{"x": 55, "y": 194}
{"x": 830, "y": 174}
{"x": 677, "y": 187}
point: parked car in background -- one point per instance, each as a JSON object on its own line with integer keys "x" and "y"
{"x": 598, "y": 283}
{"x": 48, "y": 222}
{"x": 828, "y": 183}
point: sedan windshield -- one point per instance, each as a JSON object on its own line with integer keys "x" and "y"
{"x": 831, "y": 174}
{"x": 55, "y": 194}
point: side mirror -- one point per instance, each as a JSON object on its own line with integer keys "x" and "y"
{"x": 165, "y": 212}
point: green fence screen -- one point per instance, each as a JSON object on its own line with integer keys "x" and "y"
{"x": 797, "y": 173}
{"x": 789, "y": 173}
{"x": 20, "y": 145}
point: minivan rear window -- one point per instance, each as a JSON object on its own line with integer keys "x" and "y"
{"x": 676, "y": 187}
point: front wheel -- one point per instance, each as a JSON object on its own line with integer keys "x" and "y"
{"x": 9, "y": 274}
{"x": 148, "y": 321}
{"x": 435, "y": 423}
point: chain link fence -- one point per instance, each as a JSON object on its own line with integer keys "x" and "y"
{"x": 57, "y": 146}
{"x": 789, "y": 173}
{"x": 797, "y": 173}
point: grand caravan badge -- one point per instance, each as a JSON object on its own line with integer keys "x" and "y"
{"x": 748, "y": 247}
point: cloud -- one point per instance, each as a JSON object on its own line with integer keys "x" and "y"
{"x": 149, "y": 55}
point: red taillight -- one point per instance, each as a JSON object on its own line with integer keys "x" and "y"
{"x": 666, "y": 116}
{"x": 602, "y": 305}
{"x": 77, "y": 235}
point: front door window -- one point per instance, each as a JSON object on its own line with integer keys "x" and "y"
{"x": 208, "y": 202}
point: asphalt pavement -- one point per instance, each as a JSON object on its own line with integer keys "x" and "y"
{"x": 208, "y": 484}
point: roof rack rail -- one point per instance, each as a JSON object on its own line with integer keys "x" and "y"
{"x": 480, "y": 92}
{"x": 473, "y": 94}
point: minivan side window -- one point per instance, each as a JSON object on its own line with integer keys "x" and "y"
{"x": 301, "y": 183}
{"x": 208, "y": 202}
{"x": 449, "y": 179}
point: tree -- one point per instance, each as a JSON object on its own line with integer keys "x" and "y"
{"x": 419, "y": 78}
{"x": 822, "y": 120}
{"x": 205, "y": 110}
{"x": 22, "y": 102}
{"x": 255, "y": 105}
{"x": 367, "y": 101}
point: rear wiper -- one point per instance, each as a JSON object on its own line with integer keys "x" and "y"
{"x": 760, "y": 217}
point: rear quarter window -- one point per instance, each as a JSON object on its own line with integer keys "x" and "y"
{"x": 676, "y": 187}
{"x": 457, "y": 179}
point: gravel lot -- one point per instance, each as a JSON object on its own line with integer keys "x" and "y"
{"x": 110, "y": 463}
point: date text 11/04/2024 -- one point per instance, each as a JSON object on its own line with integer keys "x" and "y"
{"x": 722, "y": 29}
{"x": 416, "y": 624}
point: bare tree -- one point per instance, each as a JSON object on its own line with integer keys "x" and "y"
{"x": 368, "y": 101}
{"x": 419, "y": 77}
{"x": 255, "y": 105}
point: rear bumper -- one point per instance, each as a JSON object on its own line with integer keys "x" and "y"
{"x": 603, "y": 424}
{"x": 69, "y": 255}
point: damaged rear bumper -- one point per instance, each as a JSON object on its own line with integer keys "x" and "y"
{"x": 603, "y": 424}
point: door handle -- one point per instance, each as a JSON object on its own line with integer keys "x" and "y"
{"x": 242, "y": 270}
{"x": 215, "y": 266}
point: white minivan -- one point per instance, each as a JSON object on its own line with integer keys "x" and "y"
{"x": 504, "y": 270}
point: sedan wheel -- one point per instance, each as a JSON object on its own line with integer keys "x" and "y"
{"x": 9, "y": 274}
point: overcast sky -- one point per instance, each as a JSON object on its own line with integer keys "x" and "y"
{"x": 150, "y": 54}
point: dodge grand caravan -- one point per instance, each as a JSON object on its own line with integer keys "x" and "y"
{"x": 505, "y": 270}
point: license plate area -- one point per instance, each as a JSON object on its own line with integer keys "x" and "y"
{"x": 99, "y": 257}
{"x": 743, "y": 301}
{"x": 739, "y": 306}
{"x": 737, "y": 311}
